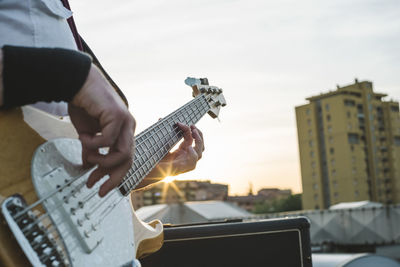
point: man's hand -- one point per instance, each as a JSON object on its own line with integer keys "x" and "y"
{"x": 185, "y": 158}
{"x": 182, "y": 160}
{"x": 103, "y": 121}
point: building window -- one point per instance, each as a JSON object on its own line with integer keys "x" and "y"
{"x": 349, "y": 103}
{"x": 309, "y": 122}
{"x": 353, "y": 138}
{"x": 333, "y": 172}
{"x": 355, "y": 182}
{"x": 335, "y": 184}
{"x": 397, "y": 140}
{"x": 328, "y": 117}
{"x": 311, "y": 153}
{"x": 313, "y": 164}
{"x": 354, "y": 170}
{"x": 308, "y": 111}
{"x": 332, "y": 150}
{"x": 356, "y": 194}
{"x": 315, "y": 186}
{"x": 353, "y": 159}
{"x": 333, "y": 162}
{"x": 348, "y": 114}
{"x": 310, "y": 143}
{"x": 314, "y": 175}
{"x": 336, "y": 195}
{"x": 315, "y": 197}
{"x": 310, "y": 133}
{"x": 327, "y": 107}
{"x": 330, "y": 139}
{"x": 329, "y": 129}
{"x": 394, "y": 108}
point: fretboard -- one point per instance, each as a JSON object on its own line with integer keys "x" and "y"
{"x": 155, "y": 142}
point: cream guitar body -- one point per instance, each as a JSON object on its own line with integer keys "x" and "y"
{"x": 22, "y": 171}
{"x": 50, "y": 218}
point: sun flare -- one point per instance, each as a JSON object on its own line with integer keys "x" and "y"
{"x": 168, "y": 179}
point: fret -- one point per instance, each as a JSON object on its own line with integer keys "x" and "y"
{"x": 155, "y": 142}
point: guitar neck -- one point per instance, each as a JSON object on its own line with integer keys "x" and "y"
{"x": 155, "y": 142}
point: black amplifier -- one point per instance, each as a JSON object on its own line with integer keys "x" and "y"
{"x": 273, "y": 242}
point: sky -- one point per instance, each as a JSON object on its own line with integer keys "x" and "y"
{"x": 267, "y": 56}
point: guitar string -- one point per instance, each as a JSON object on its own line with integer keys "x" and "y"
{"x": 138, "y": 170}
{"x": 43, "y": 216}
{"x": 191, "y": 116}
{"x": 108, "y": 209}
{"x": 105, "y": 212}
{"x": 127, "y": 179}
{"x": 111, "y": 206}
{"x": 30, "y": 207}
{"x": 47, "y": 214}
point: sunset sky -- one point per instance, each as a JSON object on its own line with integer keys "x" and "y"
{"x": 268, "y": 56}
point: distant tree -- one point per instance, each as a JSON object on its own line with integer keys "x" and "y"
{"x": 291, "y": 203}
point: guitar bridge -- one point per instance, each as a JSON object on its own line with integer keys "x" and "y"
{"x": 38, "y": 244}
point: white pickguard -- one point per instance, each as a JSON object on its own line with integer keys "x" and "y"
{"x": 112, "y": 243}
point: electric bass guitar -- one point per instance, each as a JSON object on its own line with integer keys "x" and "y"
{"x": 50, "y": 218}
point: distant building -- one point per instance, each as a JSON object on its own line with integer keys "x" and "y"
{"x": 349, "y": 142}
{"x": 192, "y": 212}
{"x": 179, "y": 191}
{"x": 263, "y": 195}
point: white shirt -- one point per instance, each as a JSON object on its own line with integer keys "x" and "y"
{"x": 37, "y": 23}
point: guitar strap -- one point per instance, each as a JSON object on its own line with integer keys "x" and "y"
{"x": 72, "y": 26}
{"x": 82, "y": 46}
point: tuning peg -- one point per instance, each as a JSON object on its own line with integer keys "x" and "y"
{"x": 209, "y": 90}
{"x": 204, "y": 81}
{"x": 203, "y": 90}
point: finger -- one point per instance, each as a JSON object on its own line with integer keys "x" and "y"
{"x": 109, "y": 160}
{"x": 198, "y": 143}
{"x": 201, "y": 134}
{"x": 109, "y": 135}
{"x": 122, "y": 151}
{"x": 95, "y": 176}
{"x": 82, "y": 120}
{"x": 86, "y": 153}
{"x": 116, "y": 176}
{"x": 187, "y": 135}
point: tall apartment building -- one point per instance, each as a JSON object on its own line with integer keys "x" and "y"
{"x": 349, "y": 142}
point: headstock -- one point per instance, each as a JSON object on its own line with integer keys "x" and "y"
{"x": 213, "y": 94}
